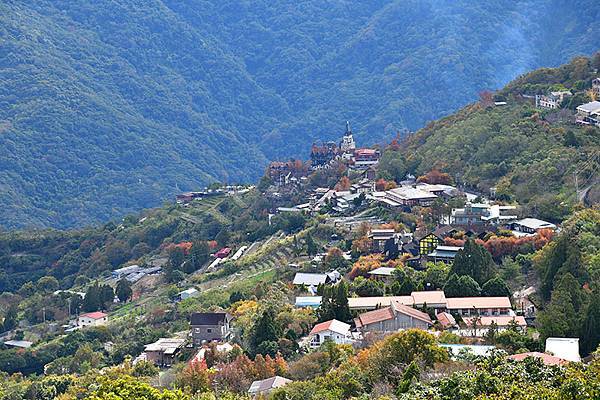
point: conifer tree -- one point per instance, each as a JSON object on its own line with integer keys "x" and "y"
{"x": 590, "y": 332}
{"x": 124, "y": 290}
{"x": 311, "y": 246}
{"x": 473, "y": 260}
{"x": 495, "y": 287}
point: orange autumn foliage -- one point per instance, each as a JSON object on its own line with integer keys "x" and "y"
{"x": 343, "y": 184}
{"x": 396, "y": 226}
{"x": 366, "y": 264}
{"x": 502, "y": 246}
{"x": 381, "y": 185}
{"x": 435, "y": 176}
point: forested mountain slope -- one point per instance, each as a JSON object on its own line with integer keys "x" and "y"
{"x": 527, "y": 154}
{"x": 111, "y": 106}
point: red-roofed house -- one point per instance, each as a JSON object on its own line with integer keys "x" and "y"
{"x": 391, "y": 319}
{"x": 96, "y": 318}
{"x": 446, "y": 320}
{"x": 547, "y": 359}
{"x": 223, "y": 253}
{"x": 334, "y": 330}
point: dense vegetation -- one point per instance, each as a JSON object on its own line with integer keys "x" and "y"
{"x": 107, "y": 107}
{"x": 527, "y": 154}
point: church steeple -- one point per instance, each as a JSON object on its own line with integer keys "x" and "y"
{"x": 347, "y": 145}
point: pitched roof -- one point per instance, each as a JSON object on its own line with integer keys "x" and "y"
{"x": 382, "y": 271}
{"x": 268, "y": 384}
{"x": 94, "y": 315}
{"x": 209, "y": 318}
{"x": 302, "y": 278}
{"x": 455, "y": 303}
{"x": 406, "y": 310}
{"x": 446, "y": 319}
{"x": 547, "y": 359}
{"x": 377, "y": 301}
{"x": 534, "y": 223}
{"x": 308, "y": 301}
{"x": 431, "y": 297}
{"x": 388, "y": 313}
{"x": 371, "y": 317}
{"x": 165, "y": 345}
{"x": 332, "y": 325}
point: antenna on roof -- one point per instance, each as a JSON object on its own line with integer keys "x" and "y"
{"x": 348, "y": 127}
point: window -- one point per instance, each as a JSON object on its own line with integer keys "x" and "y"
{"x": 208, "y": 330}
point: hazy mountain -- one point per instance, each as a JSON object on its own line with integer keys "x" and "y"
{"x": 110, "y": 106}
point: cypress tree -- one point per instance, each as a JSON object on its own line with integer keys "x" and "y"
{"x": 590, "y": 332}
{"x": 124, "y": 290}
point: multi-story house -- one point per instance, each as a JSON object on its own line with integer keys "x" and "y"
{"x": 210, "y": 326}
{"x": 552, "y": 100}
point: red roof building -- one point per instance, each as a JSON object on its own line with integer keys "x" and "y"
{"x": 94, "y": 315}
{"x": 546, "y": 358}
{"x": 223, "y": 253}
{"x": 393, "y": 318}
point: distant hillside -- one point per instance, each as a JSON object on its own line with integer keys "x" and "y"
{"x": 529, "y": 155}
{"x": 110, "y": 106}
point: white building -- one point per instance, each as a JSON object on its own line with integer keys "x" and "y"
{"x": 530, "y": 226}
{"x": 122, "y": 272}
{"x": 96, "y": 318}
{"x": 552, "y": 100}
{"x": 565, "y": 348}
{"x": 588, "y": 113}
{"x": 334, "y": 330}
{"x": 188, "y": 293}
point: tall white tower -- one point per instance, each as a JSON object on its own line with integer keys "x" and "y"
{"x": 347, "y": 145}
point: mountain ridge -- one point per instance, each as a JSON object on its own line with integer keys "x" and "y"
{"x": 110, "y": 107}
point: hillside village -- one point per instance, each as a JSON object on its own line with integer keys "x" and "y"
{"x": 326, "y": 266}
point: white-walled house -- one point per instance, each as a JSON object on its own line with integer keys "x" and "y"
{"x": 96, "y": 318}
{"x": 334, "y": 330}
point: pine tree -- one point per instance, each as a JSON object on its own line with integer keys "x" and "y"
{"x": 495, "y": 287}
{"x": 10, "y": 319}
{"x": 590, "y": 332}
{"x": 107, "y": 296}
{"x": 469, "y": 287}
{"x": 92, "y": 301}
{"x": 199, "y": 254}
{"x": 266, "y": 329}
{"x": 342, "y": 308}
{"x": 473, "y": 260}
{"x": 452, "y": 287}
{"x": 311, "y": 246}
{"x": 124, "y": 290}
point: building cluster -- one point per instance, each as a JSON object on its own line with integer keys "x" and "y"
{"x": 324, "y": 155}
{"x": 379, "y": 316}
{"x": 321, "y": 156}
{"x": 586, "y": 114}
